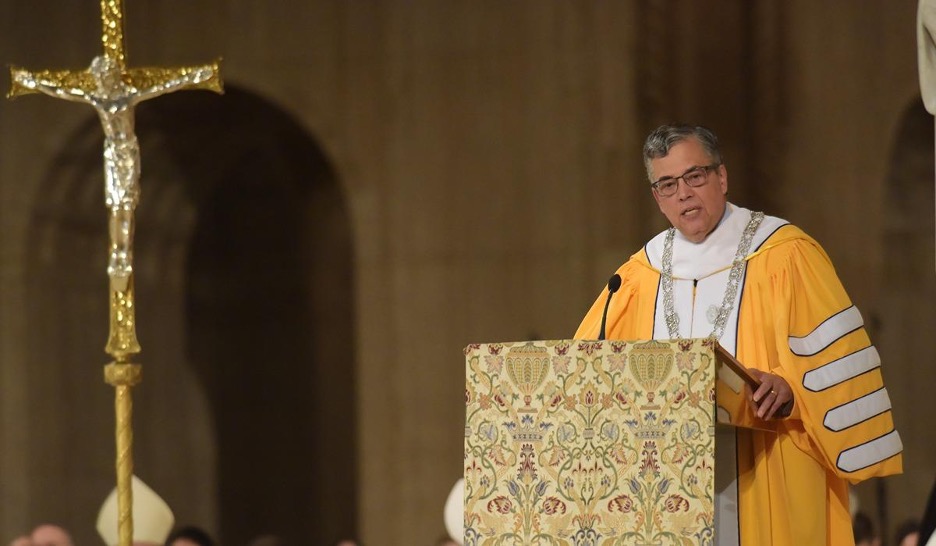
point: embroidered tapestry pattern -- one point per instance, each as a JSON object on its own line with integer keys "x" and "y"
{"x": 589, "y": 443}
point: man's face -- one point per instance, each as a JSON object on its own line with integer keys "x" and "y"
{"x": 693, "y": 211}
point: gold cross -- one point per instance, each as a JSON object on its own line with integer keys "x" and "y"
{"x": 112, "y": 18}
{"x": 114, "y": 90}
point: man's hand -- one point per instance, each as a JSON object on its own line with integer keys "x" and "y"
{"x": 772, "y": 395}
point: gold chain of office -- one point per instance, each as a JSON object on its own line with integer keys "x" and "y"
{"x": 731, "y": 289}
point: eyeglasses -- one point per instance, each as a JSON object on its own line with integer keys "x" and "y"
{"x": 693, "y": 178}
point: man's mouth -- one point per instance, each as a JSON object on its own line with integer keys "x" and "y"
{"x": 689, "y": 211}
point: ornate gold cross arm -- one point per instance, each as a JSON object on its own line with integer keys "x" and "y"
{"x": 147, "y": 80}
{"x": 24, "y": 82}
{"x": 206, "y": 77}
{"x": 80, "y": 83}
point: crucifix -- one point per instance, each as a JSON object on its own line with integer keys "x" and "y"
{"x": 114, "y": 90}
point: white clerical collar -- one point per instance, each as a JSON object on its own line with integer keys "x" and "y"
{"x": 716, "y": 252}
{"x": 728, "y": 208}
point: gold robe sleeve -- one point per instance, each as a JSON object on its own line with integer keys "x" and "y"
{"x": 797, "y": 321}
{"x": 800, "y": 324}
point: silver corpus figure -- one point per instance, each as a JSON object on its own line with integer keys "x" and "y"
{"x": 114, "y": 100}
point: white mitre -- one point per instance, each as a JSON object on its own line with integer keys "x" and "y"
{"x": 455, "y": 512}
{"x": 152, "y": 518}
{"x": 926, "y": 52}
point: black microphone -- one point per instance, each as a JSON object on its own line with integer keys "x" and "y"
{"x": 613, "y": 284}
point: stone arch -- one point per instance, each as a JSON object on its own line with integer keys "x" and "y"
{"x": 906, "y": 317}
{"x": 244, "y": 421}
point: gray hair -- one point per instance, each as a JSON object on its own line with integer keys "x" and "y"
{"x": 664, "y": 137}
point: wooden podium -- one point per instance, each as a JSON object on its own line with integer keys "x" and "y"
{"x": 575, "y": 442}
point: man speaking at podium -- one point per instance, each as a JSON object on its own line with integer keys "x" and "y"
{"x": 769, "y": 294}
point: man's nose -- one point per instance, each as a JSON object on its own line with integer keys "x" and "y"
{"x": 683, "y": 189}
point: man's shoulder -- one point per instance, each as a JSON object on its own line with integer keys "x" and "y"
{"x": 652, "y": 252}
{"x": 789, "y": 239}
{"x": 787, "y": 233}
{"x": 638, "y": 259}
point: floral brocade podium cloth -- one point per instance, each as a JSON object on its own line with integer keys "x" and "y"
{"x": 590, "y": 443}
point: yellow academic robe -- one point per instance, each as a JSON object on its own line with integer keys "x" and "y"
{"x": 794, "y": 320}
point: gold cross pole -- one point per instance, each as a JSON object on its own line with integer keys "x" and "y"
{"x": 114, "y": 90}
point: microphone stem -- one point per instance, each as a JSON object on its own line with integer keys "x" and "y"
{"x": 604, "y": 317}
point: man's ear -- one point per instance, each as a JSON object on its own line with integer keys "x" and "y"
{"x": 723, "y": 178}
